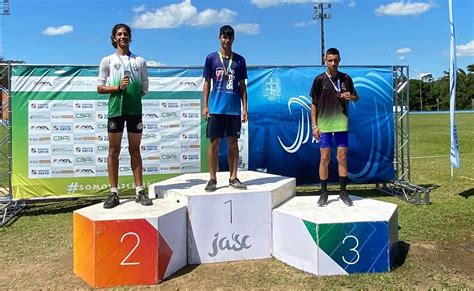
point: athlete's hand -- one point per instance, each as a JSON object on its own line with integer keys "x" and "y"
{"x": 124, "y": 82}
{"x": 245, "y": 116}
{"x": 316, "y": 133}
{"x": 205, "y": 112}
{"x": 346, "y": 96}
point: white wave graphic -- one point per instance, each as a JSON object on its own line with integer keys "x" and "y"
{"x": 304, "y": 125}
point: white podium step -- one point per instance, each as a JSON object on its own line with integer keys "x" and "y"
{"x": 336, "y": 239}
{"x": 228, "y": 224}
{"x": 129, "y": 244}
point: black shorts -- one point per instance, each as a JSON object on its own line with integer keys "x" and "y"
{"x": 223, "y": 125}
{"x": 117, "y": 124}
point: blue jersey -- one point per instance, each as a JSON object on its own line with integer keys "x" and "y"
{"x": 225, "y": 95}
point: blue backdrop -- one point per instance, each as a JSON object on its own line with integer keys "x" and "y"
{"x": 280, "y": 136}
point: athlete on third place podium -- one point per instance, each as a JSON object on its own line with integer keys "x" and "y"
{"x": 331, "y": 93}
{"x": 222, "y": 109}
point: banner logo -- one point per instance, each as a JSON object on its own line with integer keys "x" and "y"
{"x": 304, "y": 125}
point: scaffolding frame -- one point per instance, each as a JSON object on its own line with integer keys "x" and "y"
{"x": 9, "y": 208}
{"x": 401, "y": 186}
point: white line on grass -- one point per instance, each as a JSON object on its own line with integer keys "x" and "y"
{"x": 438, "y": 156}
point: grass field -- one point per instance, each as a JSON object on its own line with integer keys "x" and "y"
{"x": 36, "y": 250}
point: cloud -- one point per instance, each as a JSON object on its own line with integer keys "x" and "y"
{"x": 58, "y": 30}
{"x": 154, "y": 64}
{"x": 401, "y": 58}
{"x": 304, "y": 24}
{"x": 269, "y": 3}
{"x": 352, "y": 3}
{"x": 138, "y": 9}
{"x": 403, "y": 8}
{"x": 465, "y": 50}
{"x": 404, "y": 50}
{"x": 248, "y": 28}
{"x": 184, "y": 13}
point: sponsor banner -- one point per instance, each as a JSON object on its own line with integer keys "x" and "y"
{"x": 60, "y": 140}
{"x": 89, "y": 84}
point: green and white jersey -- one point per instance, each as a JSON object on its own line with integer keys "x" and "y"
{"x": 111, "y": 71}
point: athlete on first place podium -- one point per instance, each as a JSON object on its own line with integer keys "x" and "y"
{"x": 222, "y": 107}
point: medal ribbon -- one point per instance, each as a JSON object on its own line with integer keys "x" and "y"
{"x": 226, "y": 70}
{"x": 338, "y": 87}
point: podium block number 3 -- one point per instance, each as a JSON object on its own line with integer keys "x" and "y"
{"x": 353, "y": 249}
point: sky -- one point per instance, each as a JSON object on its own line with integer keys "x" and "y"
{"x": 268, "y": 32}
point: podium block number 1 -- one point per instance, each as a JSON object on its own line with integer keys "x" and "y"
{"x": 230, "y": 209}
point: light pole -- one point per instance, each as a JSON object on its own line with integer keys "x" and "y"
{"x": 321, "y": 11}
{"x": 421, "y": 100}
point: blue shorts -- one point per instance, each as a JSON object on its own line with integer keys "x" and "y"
{"x": 341, "y": 139}
{"x": 223, "y": 125}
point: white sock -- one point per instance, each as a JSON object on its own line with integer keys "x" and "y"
{"x": 138, "y": 189}
{"x": 114, "y": 189}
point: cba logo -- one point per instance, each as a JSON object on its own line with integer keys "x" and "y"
{"x": 61, "y": 138}
{"x": 83, "y": 115}
{"x": 168, "y": 157}
{"x": 169, "y": 114}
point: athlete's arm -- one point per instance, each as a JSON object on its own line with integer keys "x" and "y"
{"x": 243, "y": 93}
{"x": 205, "y": 98}
{"x": 144, "y": 77}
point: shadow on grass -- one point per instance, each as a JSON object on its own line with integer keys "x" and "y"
{"x": 365, "y": 193}
{"x": 183, "y": 271}
{"x": 57, "y": 207}
{"x": 403, "y": 248}
{"x": 468, "y": 193}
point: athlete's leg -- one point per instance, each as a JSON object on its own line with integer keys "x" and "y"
{"x": 134, "y": 141}
{"x": 233, "y": 156}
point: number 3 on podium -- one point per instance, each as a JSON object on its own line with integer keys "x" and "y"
{"x": 354, "y": 249}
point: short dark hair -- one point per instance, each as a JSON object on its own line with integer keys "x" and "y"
{"x": 114, "y": 31}
{"x": 333, "y": 51}
{"x": 226, "y": 30}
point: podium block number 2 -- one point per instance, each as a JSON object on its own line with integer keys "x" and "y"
{"x": 124, "y": 261}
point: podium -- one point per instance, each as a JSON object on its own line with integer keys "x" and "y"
{"x": 336, "y": 239}
{"x": 130, "y": 244}
{"x": 228, "y": 224}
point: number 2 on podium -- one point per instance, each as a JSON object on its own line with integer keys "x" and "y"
{"x": 123, "y": 262}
